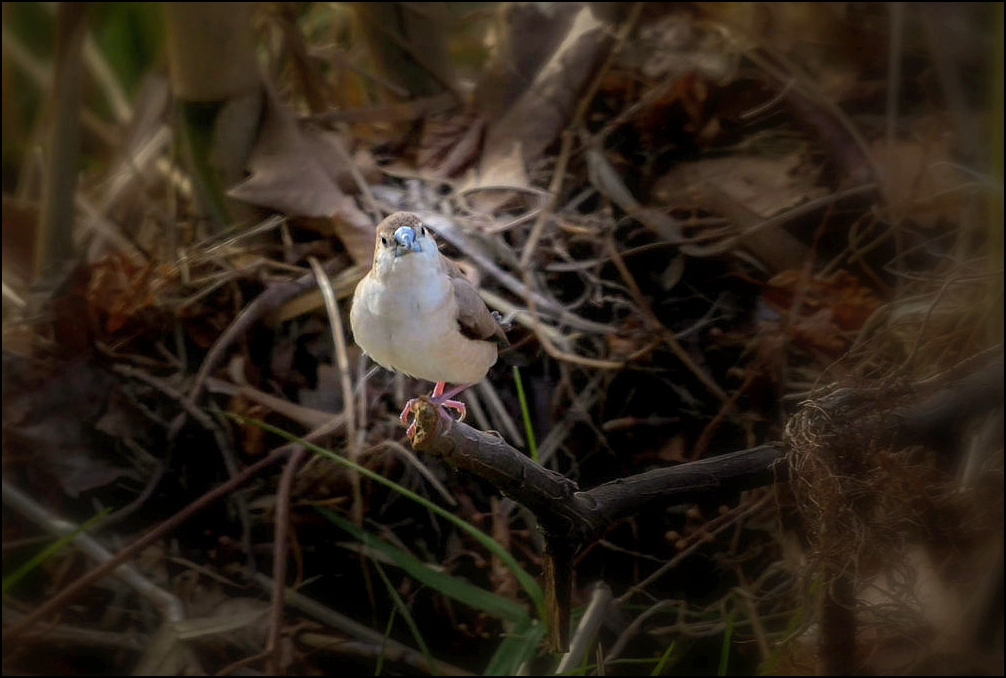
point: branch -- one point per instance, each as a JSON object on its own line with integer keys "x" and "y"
{"x": 562, "y": 509}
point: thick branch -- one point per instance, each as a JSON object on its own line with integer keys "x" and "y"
{"x": 560, "y": 507}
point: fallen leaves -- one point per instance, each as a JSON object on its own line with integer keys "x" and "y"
{"x": 830, "y": 309}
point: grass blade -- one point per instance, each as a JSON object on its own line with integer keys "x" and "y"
{"x": 406, "y": 615}
{"x": 525, "y": 414}
{"x": 49, "y": 550}
{"x": 526, "y": 581}
{"x": 458, "y": 589}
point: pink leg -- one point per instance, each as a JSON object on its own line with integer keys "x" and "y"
{"x": 440, "y": 398}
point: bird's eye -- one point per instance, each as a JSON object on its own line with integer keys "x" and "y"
{"x": 422, "y": 230}
{"x": 384, "y": 241}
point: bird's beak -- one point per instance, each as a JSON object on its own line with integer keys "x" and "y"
{"x": 407, "y": 241}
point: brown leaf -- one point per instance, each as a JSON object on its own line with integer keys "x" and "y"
{"x": 298, "y": 172}
{"x": 920, "y": 178}
{"x": 535, "y": 120}
{"x": 287, "y": 174}
{"x": 763, "y": 185}
{"x": 829, "y": 308}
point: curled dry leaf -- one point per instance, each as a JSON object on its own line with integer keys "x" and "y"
{"x": 537, "y": 117}
{"x": 297, "y": 172}
{"x": 830, "y": 309}
{"x": 747, "y": 190}
{"x": 920, "y": 179}
{"x": 765, "y": 186}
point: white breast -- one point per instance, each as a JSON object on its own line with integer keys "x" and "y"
{"x": 413, "y": 328}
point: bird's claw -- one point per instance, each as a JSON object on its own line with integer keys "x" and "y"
{"x": 443, "y": 404}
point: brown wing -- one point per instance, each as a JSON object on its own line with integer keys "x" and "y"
{"x": 474, "y": 318}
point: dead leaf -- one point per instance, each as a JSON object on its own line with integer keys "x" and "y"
{"x": 534, "y": 122}
{"x": 920, "y": 178}
{"x": 450, "y": 143}
{"x": 763, "y": 185}
{"x": 298, "y": 173}
{"x": 747, "y": 190}
{"x": 830, "y": 309}
{"x": 55, "y": 426}
{"x": 286, "y": 173}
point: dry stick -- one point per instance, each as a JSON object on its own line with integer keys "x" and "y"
{"x": 219, "y": 436}
{"x": 587, "y": 629}
{"x": 732, "y": 241}
{"x": 339, "y": 339}
{"x": 567, "y": 136}
{"x": 243, "y": 662}
{"x": 806, "y": 85}
{"x": 632, "y": 630}
{"x": 725, "y": 520}
{"x": 548, "y": 209}
{"x": 272, "y": 298}
{"x": 667, "y": 334}
{"x": 15, "y": 630}
{"x": 167, "y": 603}
{"x": 351, "y": 627}
{"x": 553, "y": 350}
{"x": 707, "y": 433}
{"x": 273, "y": 647}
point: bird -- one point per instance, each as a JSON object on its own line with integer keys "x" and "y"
{"x": 416, "y": 313}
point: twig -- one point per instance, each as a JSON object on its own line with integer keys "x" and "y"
{"x": 724, "y": 521}
{"x": 506, "y": 422}
{"x": 13, "y": 631}
{"x": 554, "y": 187}
{"x": 665, "y": 333}
{"x": 339, "y": 340}
{"x": 632, "y": 630}
{"x": 167, "y": 603}
{"x": 410, "y": 457}
{"x": 219, "y": 436}
{"x": 84, "y": 637}
{"x": 587, "y": 629}
{"x": 306, "y": 416}
{"x": 271, "y": 299}
{"x": 351, "y": 627}
{"x": 279, "y": 557}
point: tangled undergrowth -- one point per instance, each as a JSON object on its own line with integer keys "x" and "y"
{"x": 711, "y": 229}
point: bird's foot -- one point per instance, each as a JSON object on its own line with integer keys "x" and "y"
{"x": 443, "y": 402}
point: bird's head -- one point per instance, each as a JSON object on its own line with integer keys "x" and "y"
{"x": 403, "y": 236}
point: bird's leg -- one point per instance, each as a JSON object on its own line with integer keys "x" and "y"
{"x": 444, "y": 399}
{"x": 439, "y": 398}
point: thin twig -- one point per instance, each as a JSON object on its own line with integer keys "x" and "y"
{"x": 351, "y": 627}
{"x": 724, "y": 521}
{"x": 279, "y": 551}
{"x": 166, "y": 602}
{"x": 668, "y": 335}
{"x": 13, "y": 631}
{"x": 342, "y": 359}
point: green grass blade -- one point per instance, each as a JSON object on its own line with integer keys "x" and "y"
{"x": 659, "y": 668}
{"x": 725, "y": 650}
{"x": 515, "y": 649}
{"x": 387, "y": 634}
{"x": 49, "y": 550}
{"x": 407, "y": 616}
{"x": 525, "y": 414}
{"x": 458, "y": 589}
{"x": 526, "y": 581}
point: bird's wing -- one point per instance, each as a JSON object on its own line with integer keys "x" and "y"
{"x": 474, "y": 318}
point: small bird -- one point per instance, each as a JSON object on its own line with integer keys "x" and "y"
{"x": 417, "y": 314}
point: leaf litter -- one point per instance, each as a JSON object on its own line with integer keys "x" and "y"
{"x": 662, "y": 200}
